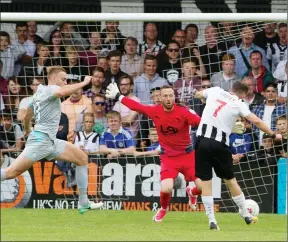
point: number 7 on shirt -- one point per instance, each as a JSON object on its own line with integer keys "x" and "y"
{"x": 220, "y": 106}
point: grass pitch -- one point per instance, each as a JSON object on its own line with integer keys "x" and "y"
{"x": 44, "y": 225}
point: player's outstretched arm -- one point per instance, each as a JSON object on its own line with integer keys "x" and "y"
{"x": 113, "y": 92}
{"x": 262, "y": 126}
{"x": 69, "y": 89}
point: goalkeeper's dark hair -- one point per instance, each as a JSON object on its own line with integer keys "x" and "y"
{"x": 239, "y": 87}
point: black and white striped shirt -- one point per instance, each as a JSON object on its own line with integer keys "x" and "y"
{"x": 220, "y": 113}
{"x": 276, "y": 53}
{"x": 144, "y": 49}
{"x": 90, "y": 142}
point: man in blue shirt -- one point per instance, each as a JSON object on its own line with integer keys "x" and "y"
{"x": 116, "y": 140}
{"x": 243, "y": 51}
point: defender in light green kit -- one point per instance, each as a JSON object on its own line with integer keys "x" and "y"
{"x": 42, "y": 141}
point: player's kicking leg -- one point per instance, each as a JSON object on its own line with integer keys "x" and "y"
{"x": 239, "y": 198}
{"x": 74, "y": 155}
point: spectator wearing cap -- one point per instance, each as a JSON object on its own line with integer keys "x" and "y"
{"x": 111, "y": 37}
{"x": 151, "y": 45}
{"x": 148, "y": 80}
{"x": 262, "y": 77}
{"x": 170, "y": 61}
{"x": 268, "y": 111}
{"x": 10, "y": 54}
{"x": 226, "y": 78}
{"x": 131, "y": 62}
{"x": 252, "y": 99}
{"x": 11, "y": 135}
{"x": 280, "y": 74}
{"x": 73, "y": 106}
{"x": 130, "y": 119}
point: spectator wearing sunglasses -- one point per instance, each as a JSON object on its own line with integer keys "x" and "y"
{"x": 196, "y": 104}
{"x": 130, "y": 119}
{"x": 227, "y": 77}
{"x": 98, "y": 109}
{"x": 170, "y": 61}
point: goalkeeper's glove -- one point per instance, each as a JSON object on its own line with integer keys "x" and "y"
{"x": 112, "y": 91}
{"x": 238, "y": 128}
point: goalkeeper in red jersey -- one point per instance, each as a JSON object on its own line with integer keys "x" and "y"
{"x": 173, "y": 124}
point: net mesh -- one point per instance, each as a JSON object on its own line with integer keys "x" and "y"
{"x": 79, "y": 47}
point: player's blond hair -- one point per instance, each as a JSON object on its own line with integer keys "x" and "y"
{"x": 52, "y": 70}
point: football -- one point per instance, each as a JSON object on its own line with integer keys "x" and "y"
{"x": 253, "y": 207}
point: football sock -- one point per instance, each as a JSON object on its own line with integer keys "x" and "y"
{"x": 241, "y": 203}
{"x": 82, "y": 183}
{"x": 2, "y": 174}
{"x": 209, "y": 207}
{"x": 164, "y": 199}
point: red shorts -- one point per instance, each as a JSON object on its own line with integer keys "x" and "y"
{"x": 172, "y": 165}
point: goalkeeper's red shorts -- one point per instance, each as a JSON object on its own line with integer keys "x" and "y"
{"x": 172, "y": 165}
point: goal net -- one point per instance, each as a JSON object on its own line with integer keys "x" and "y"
{"x": 200, "y": 54}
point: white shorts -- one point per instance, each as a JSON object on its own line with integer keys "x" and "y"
{"x": 39, "y": 146}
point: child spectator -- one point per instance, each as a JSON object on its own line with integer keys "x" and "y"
{"x": 281, "y": 125}
{"x": 116, "y": 140}
{"x": 154, "y": 142}
{"x": 88, "y": 140}
{"x": 103, "y": 62}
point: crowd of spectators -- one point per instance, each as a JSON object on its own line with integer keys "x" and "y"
{"x": 140, "y": 69}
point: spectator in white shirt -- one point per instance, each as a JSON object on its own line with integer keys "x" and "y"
{"x": 130, "y": 119}
{"x": 88, "y": 140}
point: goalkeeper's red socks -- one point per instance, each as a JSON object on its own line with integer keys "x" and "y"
{"x": 165, "y": 199}
{"x": 195, "y": 191}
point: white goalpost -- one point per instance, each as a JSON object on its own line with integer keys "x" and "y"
{"x": 121, "y": 182}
